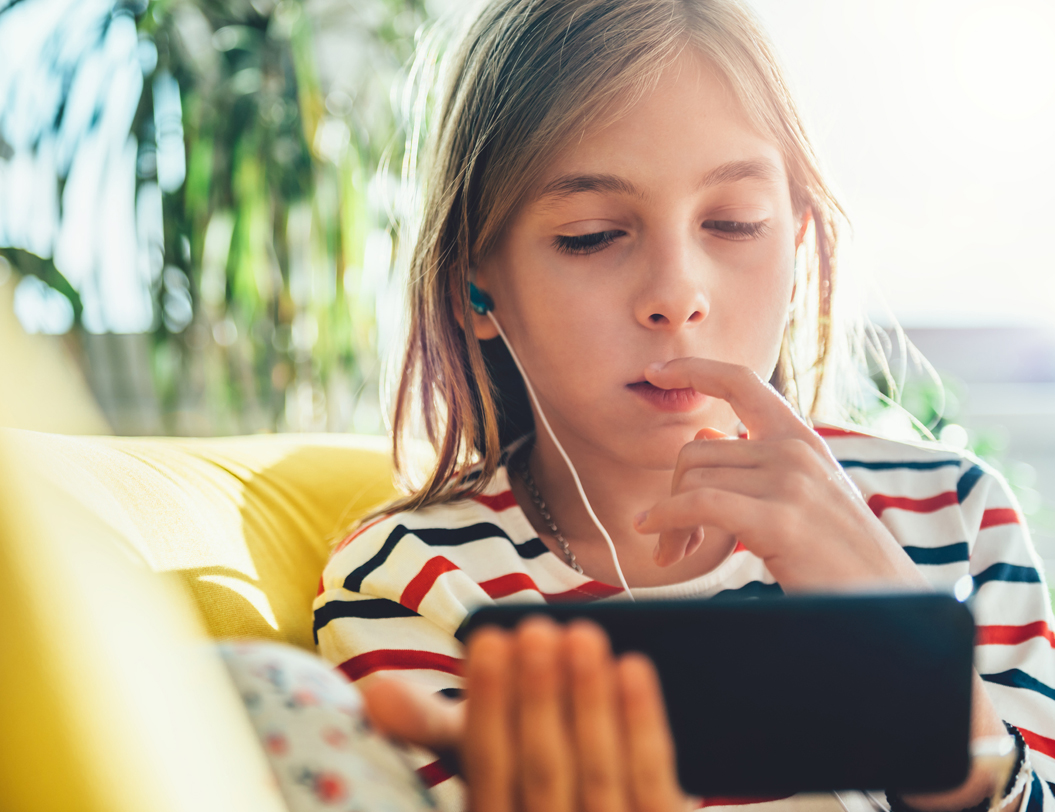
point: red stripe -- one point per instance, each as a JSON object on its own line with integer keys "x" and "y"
{"x": 321, "y": 588}
{"x": 998, "y": 516}
{"x": 433, "y": 774}
{"x": 739, "y": 548}
{"x": 420, "y": 584}
{"x": 498, "y": 502}
{"x": 1042, "y": 744}
{"x": 584, "y": 592}
{"x": 879, "y": 502}
{"x": 1013, "y": 635}
{"x": 358, "y": 533}
{"x": 830, "y": 432}
{"x": 718, "y": 800}
{"x": 399, "y": 660}
{"x": 505, "y": 585}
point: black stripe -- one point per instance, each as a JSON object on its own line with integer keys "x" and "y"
{"x": 1036, "y": 796}
{"x": 1014, "y": 678}
{"x": 1012, "y": 573}
{"x": 926, "y": 465}
{"x": 440, "y": 537}
{"x": 451, "y": 693}
{"x": 752, "y": 589}
{"x": 354, "y": 581}
{"x": 531, "y": 549}
{"x": 947, "y": 554}
{"x": 453, "y": 536}
{"x": 967, "y": 481}
{"x": 372, "y": 609}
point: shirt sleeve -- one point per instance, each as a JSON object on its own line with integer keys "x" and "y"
{"x": 391, "y": 603}
{"x": 1015, "y": 644}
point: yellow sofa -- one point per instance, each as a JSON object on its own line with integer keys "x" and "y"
{"x": 119, "y": 558}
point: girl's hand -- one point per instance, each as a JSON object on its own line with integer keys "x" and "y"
{"x": 780, "y": 492}
{"x": 551, "y": 723}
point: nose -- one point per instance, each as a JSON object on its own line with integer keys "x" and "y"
{"x": 674, "y": 293}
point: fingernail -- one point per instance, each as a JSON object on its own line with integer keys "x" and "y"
{"x": 656, "y": 366}
{"x": 640, "y": 517}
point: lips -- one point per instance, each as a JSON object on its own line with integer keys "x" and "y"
{"x": 668, "y": 400}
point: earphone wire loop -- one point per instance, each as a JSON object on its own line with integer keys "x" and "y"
{"x": 564, "y": 455}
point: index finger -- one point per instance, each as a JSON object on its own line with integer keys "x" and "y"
{"x": 761, "y": 409}
{"x": 487, "y": 755}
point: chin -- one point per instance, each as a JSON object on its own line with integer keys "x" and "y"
{"x": 659, "y": 450}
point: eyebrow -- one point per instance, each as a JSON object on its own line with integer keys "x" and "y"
{"x": 730, "y": 172}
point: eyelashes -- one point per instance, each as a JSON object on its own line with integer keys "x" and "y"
{"x": 586, "y": 243}
{"x": 598, "y": 241}
{"x": 736, "y": 229}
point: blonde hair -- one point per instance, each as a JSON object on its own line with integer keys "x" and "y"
{"x": 527, "y": 76}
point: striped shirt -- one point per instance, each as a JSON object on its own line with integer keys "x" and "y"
{"x": 395, "y": 593}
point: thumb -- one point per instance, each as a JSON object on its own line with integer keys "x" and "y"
{"x": 675, "y": 545}
{"x": 413, "y": 713}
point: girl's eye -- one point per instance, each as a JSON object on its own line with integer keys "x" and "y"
{"x": 737, "y": 230}
{"x": 586, "y": 243}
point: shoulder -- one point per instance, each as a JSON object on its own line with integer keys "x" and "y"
{"x": 938, "y": 502}
{"x": 446, "y": 525}
{"x": 385, "y": 555}
{"x": 908, "y": 467}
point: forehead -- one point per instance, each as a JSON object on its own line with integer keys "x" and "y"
{"x": 689, "y": 129}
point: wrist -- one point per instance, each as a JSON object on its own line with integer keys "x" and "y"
{"x": 999, "y": 775}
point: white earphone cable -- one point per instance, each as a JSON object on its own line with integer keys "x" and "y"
{"x": 567, "y": 459}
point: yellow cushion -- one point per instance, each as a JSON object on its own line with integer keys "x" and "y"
{"x": 110, "y": 698}
{"x": 246, "y": 523}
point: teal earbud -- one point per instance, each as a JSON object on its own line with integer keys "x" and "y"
{"x": 479, "y": 300}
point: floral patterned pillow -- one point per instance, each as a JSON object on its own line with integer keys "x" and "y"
{"x": 310, "y": 721}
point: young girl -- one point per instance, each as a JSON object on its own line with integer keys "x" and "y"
{"x": 625, "y": 190}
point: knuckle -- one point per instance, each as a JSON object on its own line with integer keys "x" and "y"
{"x": 692, "y": 480}
{"x": 601, "y": 801}
{"x": 799, "y": 454}
{"x": 798, "y": 484}
{"x": 702, "y": 499}
{"x": 710, "y": 498}
{"x": 598, "y": 778}
{"x": 745, "y": 376}
{"x": 541, "y": 773}
{"x": 647, "y": 774}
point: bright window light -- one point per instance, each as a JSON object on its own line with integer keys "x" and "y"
{"x": 935, "y": 119}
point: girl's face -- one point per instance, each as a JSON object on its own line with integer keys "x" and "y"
{"x": 669, "y": 233}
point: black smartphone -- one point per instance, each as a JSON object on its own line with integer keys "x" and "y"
{"x": 776, "y": 695}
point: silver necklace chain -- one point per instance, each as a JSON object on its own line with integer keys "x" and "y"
{"x": 540, "y": 505}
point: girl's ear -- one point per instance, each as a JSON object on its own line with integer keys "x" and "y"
{"x": 482, "y": 325}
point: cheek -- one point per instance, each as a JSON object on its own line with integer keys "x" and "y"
{"x": 753, "y": 308}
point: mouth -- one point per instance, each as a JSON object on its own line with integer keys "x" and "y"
{"x": 668, "y": 400}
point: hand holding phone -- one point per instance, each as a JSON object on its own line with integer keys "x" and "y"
{"x": 796, "y": 694}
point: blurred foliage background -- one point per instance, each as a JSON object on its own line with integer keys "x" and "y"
{"x": 203, "y": 198}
